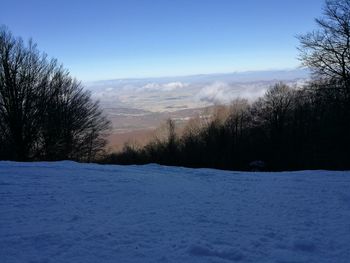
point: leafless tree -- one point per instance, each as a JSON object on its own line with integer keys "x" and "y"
{"x": 326, "y": 51}
{"x": 238, "y": 118}
{"x": 273, "y": 108}
{"x": 44, "y": 112}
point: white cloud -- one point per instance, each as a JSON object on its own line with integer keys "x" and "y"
{"x": 174, "y": 85}
{"x": 222, "y": 92}
{"x": 163, "y": 86}
{"x": 214, "y": 93}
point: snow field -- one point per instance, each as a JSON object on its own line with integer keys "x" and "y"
{"x": 70, "y": 212}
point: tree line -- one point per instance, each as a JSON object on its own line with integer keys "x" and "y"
{"x": 287, "y": 128}
{"x": 45, "y": 114}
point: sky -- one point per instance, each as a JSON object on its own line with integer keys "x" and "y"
{"x": 101, "y": 39}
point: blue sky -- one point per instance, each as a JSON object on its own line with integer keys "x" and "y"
{"x": 104, "y": 39}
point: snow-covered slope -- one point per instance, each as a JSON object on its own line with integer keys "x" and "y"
{"x": 69, "y": 212}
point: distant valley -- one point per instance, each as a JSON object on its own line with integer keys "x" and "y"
{"x": 138, "y": 106}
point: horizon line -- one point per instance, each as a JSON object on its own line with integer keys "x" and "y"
{"x": 193, "y": 75}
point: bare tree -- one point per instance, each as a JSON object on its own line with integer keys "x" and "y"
{"x": 23, "y": 75}
{"x": 238, "y": 118}
{"x": 272, "y": 109}
{"x": 72, "y": 123}
{"x": 44, "y": 113}
{"x": 326, "y": 51}
{"x": 171, "y": 134}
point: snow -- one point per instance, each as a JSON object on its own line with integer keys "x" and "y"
{"x": 70, "y": 212}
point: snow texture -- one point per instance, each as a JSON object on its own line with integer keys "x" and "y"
{"x": 70, "y": 212}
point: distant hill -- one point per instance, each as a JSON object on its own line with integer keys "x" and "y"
{"x": 245, "y": 76}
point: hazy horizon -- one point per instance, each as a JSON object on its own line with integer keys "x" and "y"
{"x": 299, "y": 69}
